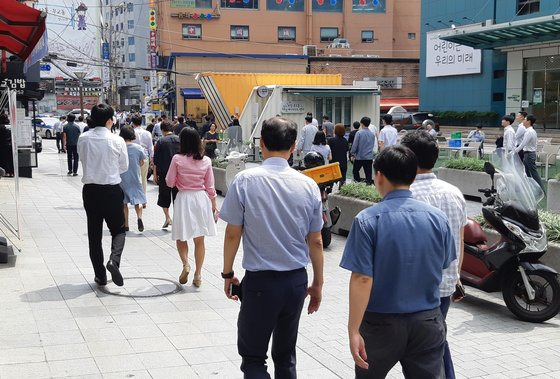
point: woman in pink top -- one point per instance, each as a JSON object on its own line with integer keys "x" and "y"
{"x": 195, "y": 206}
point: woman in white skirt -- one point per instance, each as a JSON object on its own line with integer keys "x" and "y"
{"x": 195, "y": 206}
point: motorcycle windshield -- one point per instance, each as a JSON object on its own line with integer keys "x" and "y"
{"x": 512, "y": 184}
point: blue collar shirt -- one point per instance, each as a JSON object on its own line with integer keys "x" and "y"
{"x": 404, "y": 245}
{"x": 277, "y": 207}
{"x": 362, "y": 147}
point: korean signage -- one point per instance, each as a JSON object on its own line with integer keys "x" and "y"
{"x": 393, "y": 82}
{"x": 153, "y": 44}
{"x": 293, "y": 107}
{"x": 193, "y": 4}
{"x": 105, "y": 50}
{"x": 17, "y": 85}
{"x": 72, "y": 102}
{"x": 444, "y": 58}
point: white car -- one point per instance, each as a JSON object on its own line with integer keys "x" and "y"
{"x": 77, "y": 112}
{"x": 45, "y": 126}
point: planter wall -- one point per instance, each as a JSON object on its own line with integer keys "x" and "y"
{"x": 349, "y": 208}
{"x": 220, "y": 180}
{"x": 467, "y": 181}
{"x": 553, "y": 196}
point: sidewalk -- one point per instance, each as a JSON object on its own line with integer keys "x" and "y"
{"x": 55, "y": 322}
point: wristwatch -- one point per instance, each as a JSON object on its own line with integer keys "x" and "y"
{"x": 228, "y": 275}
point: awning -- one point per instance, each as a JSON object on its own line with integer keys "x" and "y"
{"x": 21, "y": 27}
{"x": 192, "y": 93}
{"x": 540, "y": 29}
{"x": 405, "y": 102}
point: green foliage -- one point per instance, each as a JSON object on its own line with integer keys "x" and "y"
{"x": 551, "y": 222}
{"x": 466, "y": 118}
{"x": 219, "y": 164}
{"x": 468, "y": 164}
{"x": 360, "y": 191}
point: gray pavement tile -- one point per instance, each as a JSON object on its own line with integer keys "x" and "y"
{"x": 73, "y": 367}
{"x": 202, "y": 355}
{"x": 66, "y": 352}
{"x": 109, "y": 348}
{"x": 109, "y": 333}
{"x": 25, "y": 370}
{"x": 22, "y": 355}
{"x": 190, "y": 341}
{"x": 226, "y": 370}
{"x": 92, "y": 311}
{"x": 145, "y": 331}
{"x": 179, "y": 372}
{"x": 153, "y": 344}
{"x": 99, "y": 322}
{"x": 160, "y": 359}
{"x": 138, "y": 374}
{"x": 118, "y": 363}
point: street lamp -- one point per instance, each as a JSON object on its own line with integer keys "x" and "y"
{"x": 81, "y": 76}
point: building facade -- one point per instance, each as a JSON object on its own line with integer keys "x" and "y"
{"x": 500, "y": 56}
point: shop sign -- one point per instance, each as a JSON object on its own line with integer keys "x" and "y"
{"x": 195, "y": 15}
{"x": 393, "y": 82}
{"x": 293, "y": 107}
{"x": 17, "y": 84}
{"x": 444, "y": 58}
{"x": 105, "y": 54}
{"x": 537, "y": 95}
{"x": 524, "y": 103}
{"x": 153, "y": 44}
{"x": 152, "y": 19}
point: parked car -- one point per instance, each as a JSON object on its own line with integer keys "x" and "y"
{"x": 78, "y": 112}
{"x": 409, "y": 121}
{"x": 45, "y": 126}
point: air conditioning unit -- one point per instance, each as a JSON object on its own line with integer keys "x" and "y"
{"x": 310, "y": 50}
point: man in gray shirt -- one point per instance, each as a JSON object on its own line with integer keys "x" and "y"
{"x": 307, "y": 136}
{"x": 361, "y": 154}
{"x": 71, "y": 133}
{"x": 328, "y": 127}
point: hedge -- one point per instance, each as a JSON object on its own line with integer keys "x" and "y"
{"x": 468, "y": 164}
{"x": 360, "y": 191}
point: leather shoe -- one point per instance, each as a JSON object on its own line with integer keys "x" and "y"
{"x": 101, "y": 281}
{"x": 115, "y": 273}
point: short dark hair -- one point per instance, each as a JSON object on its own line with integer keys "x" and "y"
{"x": 310, "y": 114}
{"x": 339, "y": 130}
{"x": 356, "y": 125}
{"x": 191, "y": 144}
{"x": 235, "y": 122}
{"x": 309, "y": 119}
{"x": 398, "y": 163}
{"x": 62, "y": 118}
{"x": 326, "y": 118}
{"x": 365, "y": 121}
{"x": 71, "y": 117}
{"x": 532, "y": 119}
{"x": 509, "y": 118}
{"x": 166, "y": 126}
{"x": 424, "y": 146}
{"x": 320, "y": 139}
{"x": 90, "y": 123}
{"x": 136, "y": 120}
{"x": 212, "y": 123}
{"x": 388, "y": 119}
{"x": 523, "y": 113}
{"x": 181, "y": 119}
{"x": 127, "y": 133}
{"x": 101, "y": 113}
{"x": 479, "y": 126}
{"x": 81, "y": 118}
{"x": 164, "y": 116}
{"x": 278, "y": 133}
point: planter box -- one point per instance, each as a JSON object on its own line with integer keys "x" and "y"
{"x": 349, "y": 208}
{"x": 553, "y": 196}
{"x": 467, "y": 181}
{"x": 220, "y": 180}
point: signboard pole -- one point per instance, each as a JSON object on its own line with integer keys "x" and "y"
{"x": 13, "y": 120}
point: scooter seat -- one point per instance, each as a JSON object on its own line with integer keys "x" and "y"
{"x": 474, "y": 235}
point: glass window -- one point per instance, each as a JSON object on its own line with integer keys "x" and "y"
{"x": 130, "y": 7}
{"x": 120, "y": 10}
{"x": 121, "y": 26}
{"x": 132, "y": 74}
{"x": 337, "y": 110}
{"x": 368, "y": 6}
{"x": 528, "y": 6}
{"x": 285, "y": 5}
{"x": 328, "y": 6}
{"x": 286, "y": 33}
{"x": 329, "y": 34}
{"x": 132, "y": 57}
{"x": 192, "y": 31}
{"x": 347, "y": 111}
{"x": 239, "y": 32}
{"x": 244, "y": 4}
{"x": 131, "y": 41}
{"x": 131, "y": 24}
{"x": 412, "y": 36}
{"x": 367, "y": 36}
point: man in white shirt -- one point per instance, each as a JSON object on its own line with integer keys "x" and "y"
{"x": 520, "y": 132}
{"x": 313, "y": 120}
{"x": 57, "y": 128}
{"x": 388, "y": 135}
{"x": 104, "y": 157}
{"x": 529, "y": 148}
{"x": 144, "y": 139}
{"x": 81, "y": 124}
{"x": 509, "y": 134}
{"x": 307, "y": 136}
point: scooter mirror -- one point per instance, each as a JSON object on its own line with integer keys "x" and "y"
{"x": 489, "y": 169}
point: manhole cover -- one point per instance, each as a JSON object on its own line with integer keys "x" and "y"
{"x": 143, "y": 287}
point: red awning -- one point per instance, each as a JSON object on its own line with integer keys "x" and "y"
{"x": 405, "y": 102}
{"x": 21, "y": 27}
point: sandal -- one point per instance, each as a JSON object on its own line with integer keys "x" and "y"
{"x": 197, "y": 281}
{"x": 184, "y": 277}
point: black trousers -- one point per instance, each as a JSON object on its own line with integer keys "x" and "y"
{"x": 59, "y": 141}
{"x": 104, "y": 202}
{"x": 165, "y": 193}
{"x": 72, "y": 156}
{"x": 416, "y": 340}
{"x": 368, "y": 167}
{"x": 271, "y": 306}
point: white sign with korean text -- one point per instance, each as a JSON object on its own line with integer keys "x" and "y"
{"x": 23, "y": 129}
{"x": 293, "y": 107}
{"x": 444, "y": 58}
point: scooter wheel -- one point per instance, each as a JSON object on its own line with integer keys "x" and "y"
{"x": 327, "y": 237}
{"x": 547, "y": 296}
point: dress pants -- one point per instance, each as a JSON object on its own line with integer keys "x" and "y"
{"x": 59, "y": 141}
{"x": 530, "y": 163}
{"x": 368, "y": 167}
{"x": 104, "y": 202}
{"x": 73, "y": 159}
{"x": 416, "y": 340}
{"x": 271, "y": 306}
{"x": 445, "y": 302}
{"x": 144, "y": 173}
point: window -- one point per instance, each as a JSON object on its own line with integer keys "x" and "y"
{"x": 192, "y": 31}
{"x": 122, "y": 42}
{"x": 131, "y": 24}
{"x": 106, "y": 2}
{"x": 411, "y": 36}
{"x": 499, "y": 74}
{"x": 239, "y": 32}
{"x": 367, "y": 36}
{"x": 132, "y": 74}
{"x": 286, "y": 33}
{"x": 131, "y": 57}
{"x": 130, "y": 7}
{"x": 244, "y": 4}
{"x": 362, "y": 6}
{"x": 121, "y": 26}
{"x": 498, "y": 96}
{"x": 131, "y": 41}
{"x": 528, "y": 6}
{"x": 329, "y": 34}
{"x": 328, "y": 6}
{"x": 120, "y": 10}
{"x": 285, "y": 5}
{"x": 122, "y": 56}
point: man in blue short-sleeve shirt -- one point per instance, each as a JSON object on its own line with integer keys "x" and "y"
{"x": 278, "y": 212}
{"x": 396, "y": 251}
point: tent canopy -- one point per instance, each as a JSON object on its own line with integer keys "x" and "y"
{"x": 21, "y": 27}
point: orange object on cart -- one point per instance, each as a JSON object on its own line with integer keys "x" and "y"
{"x": 324, "y": 174}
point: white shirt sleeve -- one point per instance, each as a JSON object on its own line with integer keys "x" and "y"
{"x": 123, "y": 157}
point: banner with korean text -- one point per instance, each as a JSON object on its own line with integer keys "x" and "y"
{"x": 444, "y": 58}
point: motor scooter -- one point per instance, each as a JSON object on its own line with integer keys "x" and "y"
{"x": 530, "y": 289}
